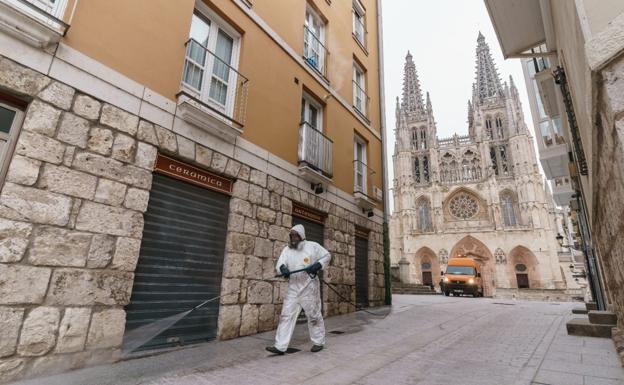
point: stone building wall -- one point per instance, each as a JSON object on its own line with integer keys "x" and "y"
{"x": 608, "y": 188}
{"x": 71, "y": 222}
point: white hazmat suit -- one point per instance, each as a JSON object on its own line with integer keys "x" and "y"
{"x": 303, "y": 291}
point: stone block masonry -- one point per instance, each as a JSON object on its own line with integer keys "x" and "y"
{"x": 608, "y": 189}
{"x": 71, "y": 223}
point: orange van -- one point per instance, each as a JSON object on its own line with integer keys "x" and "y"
{"x": 462, "y": 276}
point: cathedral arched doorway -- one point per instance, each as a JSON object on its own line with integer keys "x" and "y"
{"x": 471, "y": 247}
{"x": 522, "y": 269}
{"x": 427, "y": 267}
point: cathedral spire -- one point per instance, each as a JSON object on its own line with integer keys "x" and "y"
{"x": 412, "y": 95}
{"x": 512, "y": 87}
{"x": 470, "y": 116}
{"x": 429, "y": 108}
{"x": 488, "y": 83}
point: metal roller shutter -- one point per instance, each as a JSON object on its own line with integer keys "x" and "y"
{"x": 361, "y": 271}
{"x": 314, "y": 232}
{"x": 181, "y": 261}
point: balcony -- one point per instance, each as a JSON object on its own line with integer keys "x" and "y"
{"x": 562, "y": 190}
{"x": 314, "y": 52}
{"x": 361, "y": 101}
{"x": 360, "y": 190}
{"x": 315, "y": 155}
{"x": 213, "y": 94}
{"x": 35, "y": 22}
{"x": 547, "y": 92}
{"x": 456, "y": 141}
{"x": 554, "y": 160}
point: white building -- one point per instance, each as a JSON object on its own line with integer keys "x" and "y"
{"x": 479, "y": 195}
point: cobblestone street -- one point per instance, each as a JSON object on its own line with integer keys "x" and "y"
{"x": 424, "y": 340}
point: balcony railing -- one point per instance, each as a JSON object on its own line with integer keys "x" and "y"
{"x": 315, "y": 150}
{"x": 361, "y": 172}
{"x": 461, "y": 175}
{"x": 314, "y": 52}
{"x": 456, "y": 141}
{"x": 215, "y": 83}
{"x": 361, "y": 101}
{"x": 359, "y": 29}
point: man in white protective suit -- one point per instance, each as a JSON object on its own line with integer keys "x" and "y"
{"x": 303, "y": 289}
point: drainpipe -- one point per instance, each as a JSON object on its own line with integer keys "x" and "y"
{"x": 384, "y": 168}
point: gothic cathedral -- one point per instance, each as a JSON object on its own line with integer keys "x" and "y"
{"x": 479, "y": 195}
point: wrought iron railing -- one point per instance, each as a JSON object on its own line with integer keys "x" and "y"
{"x": 560, "y": 78}
{"x": 359, "y": 29}
{"x": 215, "y": 83}
{"x": 361, "y": 172}
{"x": 315, "y": 150}
{"x": 48, "y": 12}
{"x": 361, "y": 101}
{"x": 314, "y": 52}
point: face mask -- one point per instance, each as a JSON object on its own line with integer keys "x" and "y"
{"x": 294, "y": 241}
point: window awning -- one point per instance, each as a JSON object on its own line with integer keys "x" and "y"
{"x": 518, "y": 25}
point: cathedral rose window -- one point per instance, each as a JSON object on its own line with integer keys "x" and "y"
{"x": 463, "y": 206}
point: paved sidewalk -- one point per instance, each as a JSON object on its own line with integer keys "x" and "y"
{"x": 423, "y": 340}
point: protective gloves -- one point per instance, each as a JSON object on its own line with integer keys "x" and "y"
{"x": 314, "y": 269}
{"x": 285, "y": 272}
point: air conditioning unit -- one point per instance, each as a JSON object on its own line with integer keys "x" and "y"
{"x": 377, "y": 193}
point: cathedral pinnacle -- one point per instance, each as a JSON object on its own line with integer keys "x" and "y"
{"x": 488, "y": 83}
{"x": 412, "y": 100}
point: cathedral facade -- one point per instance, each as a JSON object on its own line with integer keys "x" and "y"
{"x": 478, "y": 195}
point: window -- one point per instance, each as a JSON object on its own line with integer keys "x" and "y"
{"x": 488, "y": 128}
{"x": 504, "y": 161}
{"x": 417, "y": 170}
{"x": 426, "y": 169}
{"x": 508, "y": 210}
{"x": 545, "y": 130}
{"x": 500, "y": 160}
{"x": 211, "y": 58}
{"x": 359, "y": 29}
{"x": 423, "y": 138}
{"x": 10, "y": 121}
{"x": 54, "y": 8}
{"x": 359, "y": 160}
{"x": 494, "y": 160}
{"x": 463, "y": 206}
{"x": 359, "y": 89}
{"x": 311, "y": 113}
{"x": 423, "y": 209}
{"x": 313, "y": 40}
{"x": 499, "y": 128}
{"x": 460, "y": 270}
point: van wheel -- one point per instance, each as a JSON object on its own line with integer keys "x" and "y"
{"x": 446, "y": 293}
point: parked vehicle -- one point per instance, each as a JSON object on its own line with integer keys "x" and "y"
{"x": 462, "y": 276}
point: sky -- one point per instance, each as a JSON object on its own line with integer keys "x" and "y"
{"x": 442, "y": 37}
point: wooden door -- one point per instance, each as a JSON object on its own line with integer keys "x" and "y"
{"x": 427, "y": 279}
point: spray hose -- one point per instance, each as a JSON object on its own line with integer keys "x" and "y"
{"x": 329, "y": 285}
{"x": 137, "y": 337}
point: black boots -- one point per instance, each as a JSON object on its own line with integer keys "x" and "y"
{"x": 316, "y": 348}
{"x": 274, "y": 350}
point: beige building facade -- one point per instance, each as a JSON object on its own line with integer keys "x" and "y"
{"x": 154, "y": 154}
{"x": 479, "y": 195}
